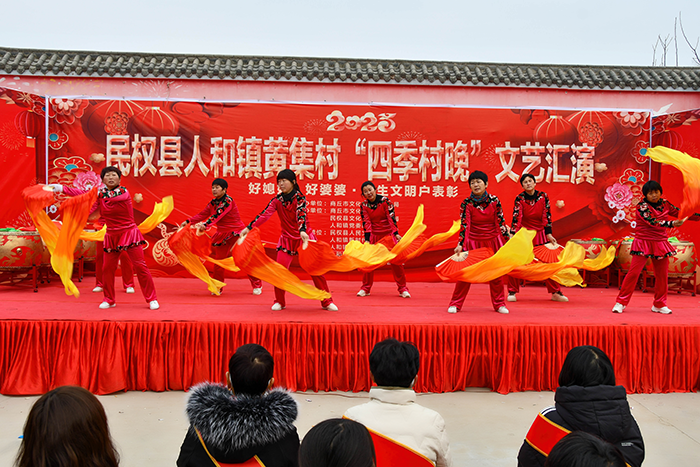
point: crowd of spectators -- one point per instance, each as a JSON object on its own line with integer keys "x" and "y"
{"x": 249, "y": 422}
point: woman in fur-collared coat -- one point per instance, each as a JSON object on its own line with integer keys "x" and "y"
{"x": 245, "y": 420}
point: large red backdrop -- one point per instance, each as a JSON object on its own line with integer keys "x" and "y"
{"x": 589, "y": 162}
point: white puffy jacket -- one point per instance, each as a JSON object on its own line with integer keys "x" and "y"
{"x": 394, "y": 413}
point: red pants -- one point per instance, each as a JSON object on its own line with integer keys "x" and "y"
{"x": 630, "y": 281}
{"x": 399, "y": 277}
{"x": 514, "y": 285}
{"x": 137, "y": 260}
{"x": 125, "y": 263}
{"x": 498, "y": 297}
{"x": 224, "y": 251}
{"x": 285, "y": 259}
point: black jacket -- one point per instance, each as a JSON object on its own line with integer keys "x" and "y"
{"x": 599, "y": 410}
{"x": 236, "y": 428}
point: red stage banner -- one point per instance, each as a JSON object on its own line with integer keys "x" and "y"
{"x": 588, "y": 161}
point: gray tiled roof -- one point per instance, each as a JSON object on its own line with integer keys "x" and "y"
{"x": 337, "y": 70}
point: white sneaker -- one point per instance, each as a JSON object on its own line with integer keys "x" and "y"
{"x": 511, "y": 298}
{"x": 405, "y": 294}
{"x": 664, "y": 310}
{"x": 619, "y": 308}
{"x": 97, "y": 289}
{"x": 277, "y": 307}
{"x": 105, "y": 305}
{"x": 153, "y": 305}
{"x": 130, "y": 290}
{"x": 362, "y": 293}
{"x": 503, "y": 310}
{"x": 257, "y": 291}
{"x": 452, "y": 309}
{"x": 331, "y": 307}
{"x": 559, "y": 297}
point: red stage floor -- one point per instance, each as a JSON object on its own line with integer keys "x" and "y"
{"x": 48, "y": 338}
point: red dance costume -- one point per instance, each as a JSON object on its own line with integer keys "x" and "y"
{"x": 650, "y": 241}
{"x": 291, "y": 209}
{"x": 124, "y": 262}
{"x": 122, "y": 235}
{"x": 532, "y": 212}
{"x": 483, "y": 225}
{"x": 223, "y": 213}
{"x": 378, "y": 221}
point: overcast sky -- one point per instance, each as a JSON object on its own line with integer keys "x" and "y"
{"x": 587, "y": 32}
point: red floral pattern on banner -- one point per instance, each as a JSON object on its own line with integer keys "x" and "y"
{"x": 618, "y": 196}
{"x": 590, "y": 133}
{"x": 632, "y": 122}
{"x": 87, "y": 180}
{"x": 67, "y": 110}
{"x": 116, "y": 124}
{"x": 637, "y": 152}
{"x": 33, "y": 102}
{"x": 633, "y": 176}
{"x": 66, "y": 169}
{"x": 57, "y": 138}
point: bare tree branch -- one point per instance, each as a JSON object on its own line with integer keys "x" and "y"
{"x": 675, "y": 37}
{"x": 696, "y": 57}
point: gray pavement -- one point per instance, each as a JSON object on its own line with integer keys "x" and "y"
{"x": 486, "y": 429}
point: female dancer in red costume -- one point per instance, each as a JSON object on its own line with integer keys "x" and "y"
{"x": 290, "y": 206}
{"x": 651, "y": 241}
{"x": 531, "y": 211}
{"x": 223, "y": 213}
{"x": 378, "y": 221}
{"x": 114, "y": 203}
{"x": 483, "y": 225}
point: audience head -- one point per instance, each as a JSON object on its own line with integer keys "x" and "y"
{"x": 394, "y": 363}
{"x": 250, "y": 370}
{"x": 67, "y": 427}
{"x": 337, "y": 442}
{"x": 581, "y": 449}
{"x": 586, "y": 365}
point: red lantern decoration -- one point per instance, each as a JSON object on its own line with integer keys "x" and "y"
{"x": 154, "y": 121}
{"x": 30, "y": 125}
{"x": 555, "y": 130}
{"x": 595, "y": 129}
{"x": 95, "y": 119}
{"x": 669, "y": 139}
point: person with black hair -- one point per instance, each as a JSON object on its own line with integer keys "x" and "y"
{"x": 222, "y": 212}
{"x": 379, "y": 221}
{"x": 651, "y": 242}
{"x": 290, "y": 206}
{"x": 482, "y": 225}
{"x": 117, "y": 211}
{"x": 392, "y": 410}
{"x": 531, "y": 211}
{"x": 337, "y": 442}
{"x": 243, "y": 419}
{"x": 67, "y": 427}
{"x": 587, "y": 399}
{"x": 581, "y": 449}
